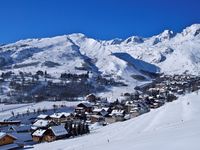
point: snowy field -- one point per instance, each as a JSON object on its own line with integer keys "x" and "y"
{"x": 175, "y": 126}
{"x": 5, "y": 110}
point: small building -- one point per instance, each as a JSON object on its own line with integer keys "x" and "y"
{"x": 87, "y": 107}
{"x": 38, "y": 135}
{"x": 7, "y": 142}
{"x": 97, "y": 118}
{"x": 55, "y": 133}
{"x": 60, "y": 117}
{"x": 6, "y": 138}
{"x": 51, "y": 134}
{"x": 42, "y": 124}
{"x": 91, "y": 98}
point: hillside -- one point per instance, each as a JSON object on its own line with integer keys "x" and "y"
{"x": 173, "y": 126}
{"x": 132, "y": 61}
{"x": 75, "y": 52}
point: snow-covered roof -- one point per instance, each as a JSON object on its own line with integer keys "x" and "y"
{"x": 89, "y": 95}
{"x": 42, "y": 116}
{"x": 59, "y": 130}
{"x": 79, "y": 108}
{"x": 97, "y": 110}
{"x": 3, "y": 134}
{"x": 129, "y": 103}
{"x": 59, "y": 115}
{"x": 102, "y": 111}
{"x": 34, "y": 127}
{"x": 117, "y": 112}
{"x": 41, "y": 123}
{"x": 105, "y": 108}
{"x": 39, "y": 132}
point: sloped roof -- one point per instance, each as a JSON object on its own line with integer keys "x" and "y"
{"x": 42, "y": 116}
{"x": 90, "y": 95}
{"x": 97, "y": 110}
{"x": 86, "y": 104}
{"x": 3, "y": 134}
{"x": 39, "y": 132}
{"x": 21, "y": 128}
{"x": 41, "y": 123}
{"x": 106, "y": 108}
{"x": 59, "y": 115}
{"x": 22, "y": 137}
{"x": 103, "y": 113}
{"x": 58, "y": 130}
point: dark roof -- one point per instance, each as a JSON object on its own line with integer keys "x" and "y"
{"x": 85, "y": 104}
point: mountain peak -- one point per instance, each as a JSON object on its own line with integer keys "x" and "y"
{"x": 134, "y": 39}
{"x": 192, "y": 30}
{"x": 114, "y": 41}
{"x": 166, "y": 34}
{"x": 79, "y": 35}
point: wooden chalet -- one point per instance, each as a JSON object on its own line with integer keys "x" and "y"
{"x": 60, "y": 117}
{"x": 6, "y": 139}
{"x": 7, "y": 142}
{"x": 38, "y": 135}
{"x": 51, "y": 134}
{"x": 86, "y": 107}
{"x": 55, "y": 133}
{"x": 42, "y": 124}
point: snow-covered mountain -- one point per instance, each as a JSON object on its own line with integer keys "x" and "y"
{"x": 167, "y": 52}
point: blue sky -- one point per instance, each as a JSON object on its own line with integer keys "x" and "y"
{"x": 100, "y": 19}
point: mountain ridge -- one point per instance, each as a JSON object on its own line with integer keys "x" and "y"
{"x": 160, "y": 50}
{"x": 132, "y": 61}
